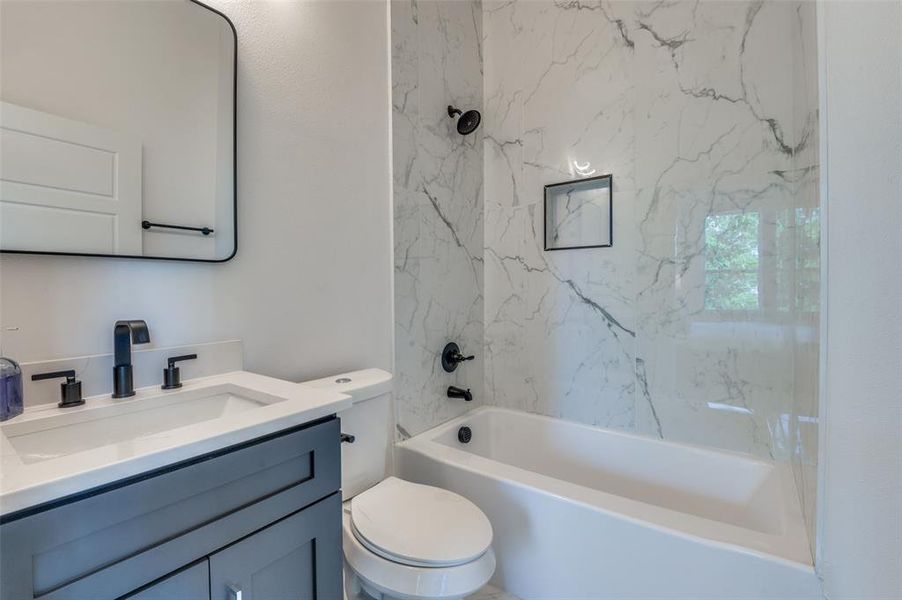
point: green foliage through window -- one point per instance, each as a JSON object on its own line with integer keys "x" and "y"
{"x": 797, "y": 242}
{"x": 731, "y": 261}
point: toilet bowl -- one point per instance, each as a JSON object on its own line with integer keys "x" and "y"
{"x": 408, "y": 541}
{"x": 401, "y": 540}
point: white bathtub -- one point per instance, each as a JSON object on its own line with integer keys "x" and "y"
{"x": 584, "y": 512}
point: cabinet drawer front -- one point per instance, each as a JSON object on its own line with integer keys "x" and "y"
{"x": 53, "y": 549}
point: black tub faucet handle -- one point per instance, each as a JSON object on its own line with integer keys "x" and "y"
{"x": 452, "y": 356}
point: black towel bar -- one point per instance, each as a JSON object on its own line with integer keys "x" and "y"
{"x": 203, "y": 230}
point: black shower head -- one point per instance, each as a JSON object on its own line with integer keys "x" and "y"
{"x": 468, "y": 121}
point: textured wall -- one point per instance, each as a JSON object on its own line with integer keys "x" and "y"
{"x": 687, "y": 327}
{"x": 860, "y": 511}
{"x": 438, "y": 209}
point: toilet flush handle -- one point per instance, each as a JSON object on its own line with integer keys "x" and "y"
{"x": 347, "y": 438}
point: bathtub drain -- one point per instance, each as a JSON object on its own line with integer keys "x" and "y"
{"x": 464, "y": 435}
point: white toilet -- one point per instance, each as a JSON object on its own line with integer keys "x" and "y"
{"x": 401, "y": 540}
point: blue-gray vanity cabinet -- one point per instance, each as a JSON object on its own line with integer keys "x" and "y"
{"x": 192, "y": 583}
{"x": 298, "y": 558}
{"x": 110, "y": 542}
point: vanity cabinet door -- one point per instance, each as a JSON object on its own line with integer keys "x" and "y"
{"x": 297, "y": 558}
{"x": 192, "y": 583}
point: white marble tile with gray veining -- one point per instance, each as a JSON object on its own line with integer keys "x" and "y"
{"x": 684, "y": 328}
{"x": 438, "y": 207}
{"x": 699, "y": 324}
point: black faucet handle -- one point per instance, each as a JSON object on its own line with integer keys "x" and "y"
{"x": 70, "y": 390}
{"x": 172, "y": 378}
{"x": 452, "y": 356}
{"x": 174, "y": 359}
{"x": 70, "y": 374}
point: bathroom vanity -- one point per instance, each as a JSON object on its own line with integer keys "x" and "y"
{"x": 243, "y": 504}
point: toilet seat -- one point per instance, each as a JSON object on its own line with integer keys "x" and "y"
{"x": 448, "y": 556}
{"x": 419, "y": 525}
{"x": 395, "y": 580}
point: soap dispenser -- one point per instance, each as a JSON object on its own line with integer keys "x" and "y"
{"x": 10, "y": 389}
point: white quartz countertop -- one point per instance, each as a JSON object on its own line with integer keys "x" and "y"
{"x": 220, "y": 411}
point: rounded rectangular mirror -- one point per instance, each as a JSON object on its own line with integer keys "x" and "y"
{"x": 117, "y": 129}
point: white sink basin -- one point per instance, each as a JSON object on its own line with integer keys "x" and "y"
{"x": 66, "y": 434}
{"x": 49, "y": 453}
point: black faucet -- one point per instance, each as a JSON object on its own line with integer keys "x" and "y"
{"x": 456, "y": 392}
{"x": 451, "y": 357}
{"x": 126, "y": 333}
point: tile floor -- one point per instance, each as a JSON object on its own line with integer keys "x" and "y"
{"x": 490, "y": 592}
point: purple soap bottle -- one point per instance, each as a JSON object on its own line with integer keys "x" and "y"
{"x": 10, "y": 389}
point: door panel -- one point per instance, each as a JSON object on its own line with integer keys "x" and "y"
{"x": 298, "y": 558}
{"x": 67, "y": 186}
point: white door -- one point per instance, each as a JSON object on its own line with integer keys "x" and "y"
{"x": 67, "y": 186}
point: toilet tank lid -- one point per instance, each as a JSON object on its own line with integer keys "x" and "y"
{"x": 359, "y": 385}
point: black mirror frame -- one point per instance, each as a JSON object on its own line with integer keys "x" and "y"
{"x": 234, "y": 173}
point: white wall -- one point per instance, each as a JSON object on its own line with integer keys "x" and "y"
{"x": 310, "y": 290}
{"x": 860, "y": 504}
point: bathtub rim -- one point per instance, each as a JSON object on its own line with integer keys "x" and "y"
{"x": 790, "y": 548}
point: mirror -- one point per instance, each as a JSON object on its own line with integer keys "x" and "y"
{"x": 117, "y": 129}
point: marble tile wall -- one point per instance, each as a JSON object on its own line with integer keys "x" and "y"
{"x": 438, "y": 207}
{"x": 700, "y": 323}
{"x": 696, "y": 325}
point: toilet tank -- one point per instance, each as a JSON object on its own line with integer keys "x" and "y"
{"x": 367, "y": 461}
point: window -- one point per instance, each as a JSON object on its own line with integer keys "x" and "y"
{"x": 797, "y": 241}
{"x": 732, "y": 262}
{"x": 764, "y": 261}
